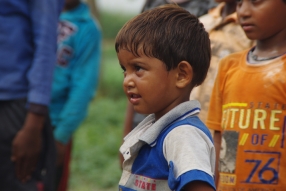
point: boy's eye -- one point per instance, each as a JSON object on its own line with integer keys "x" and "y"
{"x": 137, "y": 68}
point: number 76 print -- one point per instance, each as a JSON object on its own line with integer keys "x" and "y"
{"x": 264, "y": 169}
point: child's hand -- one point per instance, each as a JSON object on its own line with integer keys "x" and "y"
{"x": 26, "y": 146}
{"x": 61, "y": 150}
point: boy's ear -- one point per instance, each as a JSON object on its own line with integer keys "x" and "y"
{"x": 184, "y": 74}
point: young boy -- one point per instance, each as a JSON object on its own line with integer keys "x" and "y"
{"x": 164, "y": 53}
{"x": 248, "y": 104}
{"x": 226, "y": 37}
{"x": 197, "y": 8}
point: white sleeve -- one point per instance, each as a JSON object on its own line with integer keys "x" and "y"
{"x": 189, "y": 148}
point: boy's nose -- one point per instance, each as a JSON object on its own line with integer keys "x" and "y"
{"x": 128, "y": 82}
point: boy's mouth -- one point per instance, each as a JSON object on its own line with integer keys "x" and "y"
{"x": 134, "y": 98}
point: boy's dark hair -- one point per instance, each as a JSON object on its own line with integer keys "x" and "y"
{"x": 170, "y": 34}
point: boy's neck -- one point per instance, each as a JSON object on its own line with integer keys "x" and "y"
{"x": 228, "y": 9}
{"x": 272, "y": 46}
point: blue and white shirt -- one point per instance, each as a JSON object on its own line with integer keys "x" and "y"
{"x": 168, "y": 154}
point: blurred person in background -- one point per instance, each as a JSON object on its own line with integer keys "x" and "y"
{"x": 226, "y": 37}
{"x": 195, "y": 7}
{"x": 28, "y": 33}
{"x": 75, "y": 79}
{"x": 247, "y": 106}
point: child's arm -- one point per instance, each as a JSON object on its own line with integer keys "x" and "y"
{"x": 198, "y": 186}
{"x": 217, "y": 144}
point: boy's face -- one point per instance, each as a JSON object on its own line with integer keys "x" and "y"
{"x": 147, "y": 84}
{"x": 261, "y": 19}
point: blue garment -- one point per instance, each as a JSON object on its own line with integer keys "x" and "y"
{"x": 77, "y": 70}
{"x": 170, "y": 153}
{"x": 28, "y": 48}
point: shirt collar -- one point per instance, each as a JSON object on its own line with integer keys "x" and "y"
{"x": 180, "y": 112}
{"x": 147, "y": 131}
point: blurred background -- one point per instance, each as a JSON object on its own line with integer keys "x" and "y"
{"x": 95, "y": 165}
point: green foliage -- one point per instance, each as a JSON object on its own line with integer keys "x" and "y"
{"x": 112, "y": 75}
{"x": 95, "y": 165}
{"x": 95, "y": 153}
{"x": 95, "y": 157}
{"x": 112, "y": 22}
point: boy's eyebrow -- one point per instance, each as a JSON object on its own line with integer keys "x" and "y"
{"x": 135, "y": 61}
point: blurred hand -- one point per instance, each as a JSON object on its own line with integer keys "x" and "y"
{"x": 61, "y": 151}
{"x": 26, "y": 146}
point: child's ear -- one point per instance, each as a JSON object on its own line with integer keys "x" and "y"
{"x": 184, "y": 74}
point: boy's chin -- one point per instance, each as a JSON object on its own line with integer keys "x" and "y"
{"x": 141, "y": 111}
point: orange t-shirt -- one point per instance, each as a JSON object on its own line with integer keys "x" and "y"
{"x": 248, "y": 105}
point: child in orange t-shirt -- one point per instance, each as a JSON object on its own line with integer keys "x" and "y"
{"x": 248, "y": 104}
{"x": 226, "y": 37}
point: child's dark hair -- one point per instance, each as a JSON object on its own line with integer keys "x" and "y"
{"x": 170, "y": 34}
